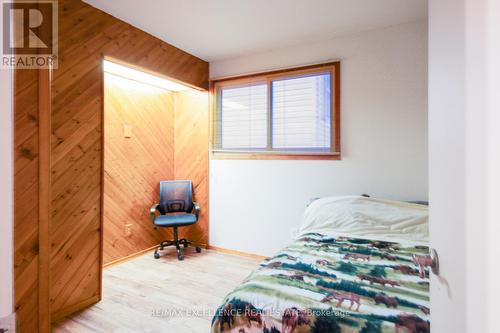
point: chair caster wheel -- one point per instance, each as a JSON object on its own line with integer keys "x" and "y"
{"x": 157, "y": 256}
{"x": 198, "y": 249}
{"x": 179, "y": 255}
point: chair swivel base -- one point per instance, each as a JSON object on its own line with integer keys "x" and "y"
{"x": 177, "y": 244}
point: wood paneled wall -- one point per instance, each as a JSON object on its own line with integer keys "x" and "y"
{"x": 134, "y": 166}
{"x": 191, "y": 154}
{"x": 169, "y": 141}
{"x": 26, "y": 235}
{"x": 86, "y": 35}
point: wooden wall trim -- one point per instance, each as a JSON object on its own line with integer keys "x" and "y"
{"x": 101, "y": 203}
{"x": 44, "y": 133}
{"x": 129, "y": 257}
{"x": 237, "y": 253}
{"x": 75, "y": 307}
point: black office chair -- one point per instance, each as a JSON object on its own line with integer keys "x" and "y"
{"x": 176, "y": 209}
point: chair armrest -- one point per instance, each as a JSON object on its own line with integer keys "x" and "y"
{"x": 152, "y": 211}
{"x": 196, "y": 209}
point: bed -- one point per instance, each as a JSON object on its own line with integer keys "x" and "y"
{"x": 352, "y": 268}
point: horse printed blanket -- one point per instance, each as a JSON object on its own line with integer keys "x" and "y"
{"x": 326, "y": 284}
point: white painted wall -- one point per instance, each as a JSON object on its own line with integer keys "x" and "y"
{"x": 255, "y": 204}
{"x": 447, "y": 161}
{"x": 464, "y": 160}
{"x": 492, "y": 14}
{"x": 6, "y": 235}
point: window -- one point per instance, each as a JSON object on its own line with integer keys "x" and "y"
{"x": 244, "y": 117}
{"x": 284, "y": 114}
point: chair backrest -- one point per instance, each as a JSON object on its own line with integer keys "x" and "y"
{"x": 176, "y": 196}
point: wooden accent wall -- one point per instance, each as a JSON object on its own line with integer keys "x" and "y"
{"x": 133, "y": 167}
{"x": 86, "y": 35}
{"x": 191, "y": 154}
{"x": 169, "y": 141}
{"x": 26, "y": 199}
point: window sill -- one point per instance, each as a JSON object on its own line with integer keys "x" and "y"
{"x": 243, "y": 155}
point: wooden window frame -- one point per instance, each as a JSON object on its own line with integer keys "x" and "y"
{"x": 266, "y": 77}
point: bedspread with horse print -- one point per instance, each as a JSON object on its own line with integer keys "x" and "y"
{"x": 325, "y": 284}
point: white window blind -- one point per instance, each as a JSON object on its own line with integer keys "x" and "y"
{"x": 283, "y": 113}
{"x": 243, "y": 118}
{"x": 301, "y": 113}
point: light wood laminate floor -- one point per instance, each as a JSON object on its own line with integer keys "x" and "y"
{"x": 143, "y": 294}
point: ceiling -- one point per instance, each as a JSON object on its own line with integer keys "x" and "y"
{"x": 221, "y": 29}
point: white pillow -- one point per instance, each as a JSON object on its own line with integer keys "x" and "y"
{"x": 363, "y": 217}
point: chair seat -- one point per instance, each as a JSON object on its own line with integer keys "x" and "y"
{"x": 175, "y": 220}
